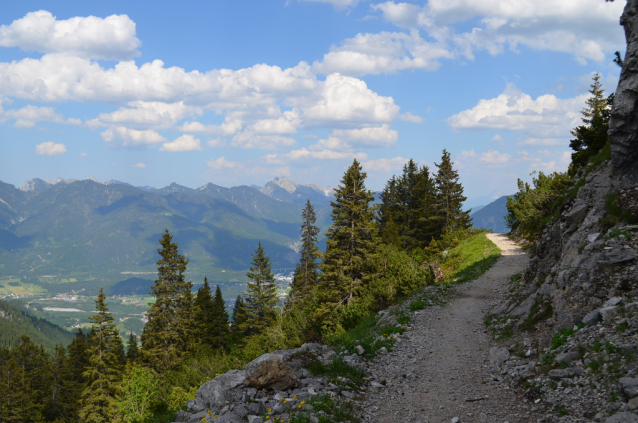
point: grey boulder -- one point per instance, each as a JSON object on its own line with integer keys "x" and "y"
{"x": 217, "y": 392}
{"x": 624, "y": 417}
{"x": 592, "y": 318}
{"x": 498, "y": 355}
{"x": 629, "y": 386}
{"x": 270, "y": 371}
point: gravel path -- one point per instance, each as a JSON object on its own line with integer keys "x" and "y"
{"x": 441, "y": 373}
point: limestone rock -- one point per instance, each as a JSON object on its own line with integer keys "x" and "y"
{"x": 608, "y": 313}
{"x": 270, "y": 371}
{"x": 498, "y": 355}
{"x": 624, "y": 417}
{"x": 629, "y": 386}
{"x": 567, "y": 357}
{"x": 217, "y": 392}
{"x": 592, "y": 318}
{"x": 558, "y": 374}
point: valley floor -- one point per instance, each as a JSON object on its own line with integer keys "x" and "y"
{"x": 441, "y": 372}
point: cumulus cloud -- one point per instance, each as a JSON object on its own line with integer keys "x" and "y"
{"x": 50, "y": 148}
{"x": 494, "y": 157}
{"x": 409, "y": 117}
{"x": 28, "y": 116}
{"x": 139, "y": 165}
{"x": 222, "y": 163}
{"x": 381, "y": 136}
{"x": 229, "y": 127}
{"x": 547, "y": 116}
{"x": 384, "y": 165}
{"x": 90, "y": 37}
{"x": 125, "y": 137}
{"x": 216, "y": 142}
{"x": 262, "y": 142}
{"x": 584, "y": 28}
{"x": 385, "y": 52}
{"x": 146, "y": 114}
{"x": 286, "y": 124}
{"x": 557, "y": 165}
{"x": 346, "y": 99}
{"x": 304, "y": 153}
{"x": 186, "y": 142}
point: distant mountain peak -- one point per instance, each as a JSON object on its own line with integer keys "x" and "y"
{"x": 325, "y": 190}
{"x": 283, "y": 182}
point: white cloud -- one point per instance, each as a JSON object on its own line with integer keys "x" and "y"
{"x": 468, "y": 154}
{"x": 146, "y": 114}
{"x": 50, "y": 148}
{"x": 547, "y": 116}
{"x": 28, "y": 116}
{"x": 545, "y": 141}
{"x": 229, "y": 127}
{"x": 286, "y": 124}
{"x": 385, "y": 52}
{"x": 346, "y": 99}
{"x": 126, "y": 137}
{"x": 89, "y": 37}
{"x": 222, "y": 163}
{"x": 384, "y": 165}
{"x": 409, "y": 117}
{"x": 304, "y": 153}
{"x": 186, "y": 142}
{"x": 216, "y": 142}
{"x": 494, "y": 157}
{"x": 139, "y": 165}
{"x": 497, "y": 138}
{"x": 262, "y": 142}
{"x": 381, "y": 136}
{"x": 584, "y": 28}
{"x": 557, "y": 165}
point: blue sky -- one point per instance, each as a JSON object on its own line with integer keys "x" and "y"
{"x": 238, "y": 92}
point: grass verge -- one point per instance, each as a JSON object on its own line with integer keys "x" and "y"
{"x": 471, "y": 258}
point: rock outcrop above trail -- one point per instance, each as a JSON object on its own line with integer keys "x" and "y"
{"x": 623, "y": 126}
{"x": 270, "y": 371}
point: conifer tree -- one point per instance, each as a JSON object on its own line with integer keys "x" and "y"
{"x": 239, "y": 319}
{"x": 62, "y": 401}
{"x": 166, "y": 336}
{"x": 220, "y": 317}
{"x": 450, "y": 198}
{"x": 592, "y": 136}
{"x": 352, "y": 246}
{"x": 104, "y": 370}
{"x": 261, "y": 295}
{"x": 133, "y": 350}
{"x": 203, "y": 315}
{"x": 307, "y": 272}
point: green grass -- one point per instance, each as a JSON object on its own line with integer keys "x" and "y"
{"x": 471, "y": 258}
{"x": 417, "y": 305}
{"x": 560, "y": 338}
{"x": 370, "y": 336}
{"x": 337, "y": 368}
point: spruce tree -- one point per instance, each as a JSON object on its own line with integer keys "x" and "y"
{"x": 307, "y": 272}
{"x": 166, "y": 336}
{"x": 221, "y": 330}
{"x": 63, "y": 397}
{"x": 592, "y": 136}
{"x": 133, "y": 350}
{"x": 450, "y": 198}
{"x": 203, "y": 315}
{"x": 352, "y": 246}
{"x": 104, "y": 370}
{"x": 239, "y": 319}
{"x": 261, "y": 295}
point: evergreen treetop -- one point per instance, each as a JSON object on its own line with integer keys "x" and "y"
{"x": 261, "y": 295}
{"x": 307, "y": 271}
{"x": 450, "y": 198}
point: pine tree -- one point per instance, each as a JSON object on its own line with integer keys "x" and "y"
{"x": 203, "y": 315}
{"x": 25, "y": 382}
{"x": 352, "y": 246}
{"x": 261, "y": 295}
{"x": 220, "y": 317}
{"x": 307, "y": 271}
{"x": 166, "y": 336}
{"x": 450, "y": 198}
{"x": 133, "y": 350}
{"x": 104, "y": 371}
{"x": 62, "y": 402}
{"x": 592, "y": 136}
{"x": 239, "y": 319}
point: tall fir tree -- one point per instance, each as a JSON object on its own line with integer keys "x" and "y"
{"x": 104, "y": 371}
{"x": 62, "y": 403}
{"x": 221, "y": 330}
{"x": 167, "y": 334}
{"x": 307, "y": 271}
{"x": 261, "y": 295}
{"x": 133, "y": 349}
{"x": 203, "y": 314}
{"x": 352, "y": 246}
{"x": 450, "y": 198}
{"x": 238, "y": 320}
{"x": 592, "y": 136}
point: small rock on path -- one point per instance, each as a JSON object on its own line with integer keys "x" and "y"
{"x": 442, "y": 371}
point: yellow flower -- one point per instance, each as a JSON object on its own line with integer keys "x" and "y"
{"x": 270, "y": 410}
{"x": 203, "y": 419}
{"x": 267, "y": 417}
{"x": 294, "y": 397}
{"x": 285, "y": 401}
{"x": 303, "y": 402}
{"x": 216, "y": 415}
{"x": 209, "y": 412}
{"x": 299, "y": 406}
{"x": 281, "y": 399}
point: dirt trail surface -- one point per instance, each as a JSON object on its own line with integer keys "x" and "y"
{"x": 441, "y": 373}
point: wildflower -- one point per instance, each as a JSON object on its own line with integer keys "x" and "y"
{"x": 294, "y": 397}
{"x": 203, "y": 419}
{"x": 285, "y": 401}
{"x": 216, "y": 415}
{"x": 299, "y": 406}
{"x": 267, "y": 417}
{"x": 209, "y": 412}
{"x": 303, "y": 402}
{"x": 270, "y": 410}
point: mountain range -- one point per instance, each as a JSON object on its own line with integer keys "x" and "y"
{"x": 84, "y": 229}
{"x": 491, "y": 216}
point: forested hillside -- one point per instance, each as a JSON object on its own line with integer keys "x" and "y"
{"x": 15, "y": 322}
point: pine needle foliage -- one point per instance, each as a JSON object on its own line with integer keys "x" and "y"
{"x": 307, "y": 270}
{"x": 104, "y": 371}
{"x": 352, "y": 247}
{"x": 221, "y": 329}
{"x": 239, "y": 319}
{"x": 450, "y": 198}
{"x": 592, "y": 136}
{"x": 261, "y": 295}
{"x": 133, "y": 349}
{"x": 167, "y": 334}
